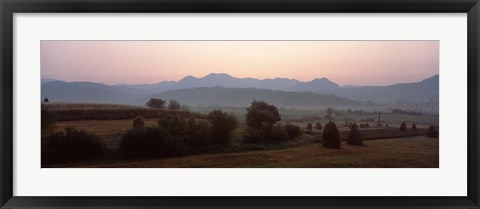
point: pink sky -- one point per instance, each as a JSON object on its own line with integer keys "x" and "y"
{"x": 344, "y": 62}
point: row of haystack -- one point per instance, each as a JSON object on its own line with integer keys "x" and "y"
{"x": 431, "y": 132}
{"x": 403, "y": 127}
{"x": 331, "y": 136}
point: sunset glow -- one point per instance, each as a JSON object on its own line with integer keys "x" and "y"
{"x": 138, "y": 62}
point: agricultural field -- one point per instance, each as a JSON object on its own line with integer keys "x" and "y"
{"x": 382, "y": 147}
{"x": 402, "y": 152}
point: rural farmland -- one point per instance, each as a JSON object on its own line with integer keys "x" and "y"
{"x": 239, "y": 104}
{"x": 383, "y": 146}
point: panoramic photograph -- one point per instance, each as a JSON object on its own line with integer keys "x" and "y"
{"x": 239, "y": 104}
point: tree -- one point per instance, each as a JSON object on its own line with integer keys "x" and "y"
{"x": 46, "y": 100}
{"x": 156, "y": 103}
{"x": 329, "y": 114}
{"x": 174, "y": 105}
{"x": 260, "y": 119}
{"x": 223, "y": 125}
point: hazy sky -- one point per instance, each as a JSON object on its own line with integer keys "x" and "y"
{"x": 343, "y": 62}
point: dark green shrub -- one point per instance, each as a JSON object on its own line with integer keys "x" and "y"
{"x": 279, "y": 133}
{"x": 138, "y": 122}
{"x": 330, "y": 136}
{"x": 403, "y": 127}
{"x": 432, "y": 132}
{"x": 74, "y": 144}
{"x": 253, "y": 135}
{"x": 150, "y": 142}
{"x": 293, "y": 131}
{"x": 198, "y": 133}
{"x": 223, "y": 125}
{"x": 175, "y": 125}
{"x": 355, "y": 137}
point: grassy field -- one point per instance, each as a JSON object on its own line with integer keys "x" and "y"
{"x": 384, "y": 146}
{"x": 407, "y": 152}
{"x": 76, "y": 112}
{"x": 111, "y": 130}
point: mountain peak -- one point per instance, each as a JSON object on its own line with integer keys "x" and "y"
{"x": 321, "y": 79}
{"x": 188, "y": 77}
{"x": 218, "y": 75}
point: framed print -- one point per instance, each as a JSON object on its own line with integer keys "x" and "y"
{"x": 239, "y": 104}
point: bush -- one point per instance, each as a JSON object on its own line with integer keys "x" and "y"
{"x": 74, "y": 144}
{"x": 367, "y": 125}
{"x": 175, "y": 125}
{"x": 361, "y": 126}
{"x": 432, "y": 132}
{"x": 223, "y": 125}
{"x": 403, "y": 127}
{"x": 293, "y": 131}
{"x": 330, "y": 136}
{"x": 198, "y": 133}
{"x": 279, "y": 133}
{"x": 138, "y": 122}
{"x": 318, "y": 126}
{"x": 414, "y": 127}
{"x": 150, "y": 142}
{"x": 355, "y": 137}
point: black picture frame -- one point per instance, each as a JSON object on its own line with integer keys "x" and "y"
{"x": 9, "y": 7}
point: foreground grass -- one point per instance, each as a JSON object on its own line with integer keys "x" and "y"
{"x": 408, "y": 152}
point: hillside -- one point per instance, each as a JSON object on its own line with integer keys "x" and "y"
{"x": 426, "y": 90}
{"x": 241, "y": 97}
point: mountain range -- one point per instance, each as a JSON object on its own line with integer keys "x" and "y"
{"x": 217, "y": 86}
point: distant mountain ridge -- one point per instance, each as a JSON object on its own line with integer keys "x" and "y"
{"x": 226, "y": 80}
{"x": 423, "y": 91}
